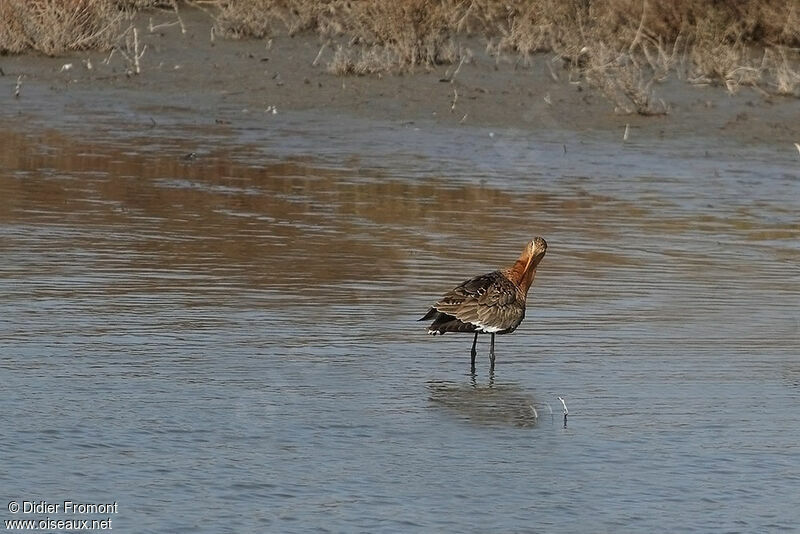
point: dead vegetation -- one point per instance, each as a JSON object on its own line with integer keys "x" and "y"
{"x": 374, "y": 35}
{"x": 53, "y": 27}
{"x": 624, "y": 48}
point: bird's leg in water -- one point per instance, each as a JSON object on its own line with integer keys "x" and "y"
{"x": 473, "y": 353}
{"x": 491, "y": 356}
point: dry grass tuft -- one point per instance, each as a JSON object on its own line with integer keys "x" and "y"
{"x": 625, "y": 81}
{"x": 56, "y": 26}
{"x": 134, "y": 5}
{"x": 786, "y": 79}
{"x": 349, "y": 61}
{"x": 400, "y": 35}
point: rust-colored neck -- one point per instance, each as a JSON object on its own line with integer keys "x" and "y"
{"x": 522, "y": 273}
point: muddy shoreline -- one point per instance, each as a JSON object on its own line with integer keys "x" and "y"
{"x": 191, "y": 80}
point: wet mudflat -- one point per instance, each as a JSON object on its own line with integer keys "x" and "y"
{"x": 227, "y": 342}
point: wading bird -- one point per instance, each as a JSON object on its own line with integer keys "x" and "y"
{"x": 492, "y": 303}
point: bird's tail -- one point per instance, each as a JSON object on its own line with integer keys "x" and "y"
{"x": 430, "y": 315}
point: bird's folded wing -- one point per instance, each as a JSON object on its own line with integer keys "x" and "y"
{"x": 501, "y": 306}
{"x": 486, "y": 300}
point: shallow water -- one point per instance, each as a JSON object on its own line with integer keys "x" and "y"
{"x": 228, "y": 343}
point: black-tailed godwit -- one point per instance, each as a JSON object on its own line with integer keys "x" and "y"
{"x": 492, "y": 303}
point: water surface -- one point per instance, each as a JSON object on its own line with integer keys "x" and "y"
{"x": 228, "y": 342}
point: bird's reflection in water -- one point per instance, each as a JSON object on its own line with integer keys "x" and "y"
{"x": 486, "y": 404}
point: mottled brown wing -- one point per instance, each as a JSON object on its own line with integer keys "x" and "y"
{"x": 488, "y": 301}
{"x": 502, "y": 306}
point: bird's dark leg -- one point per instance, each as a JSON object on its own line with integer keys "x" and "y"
{"x": 491, "y": 356}
{"x": 473, "y": 353}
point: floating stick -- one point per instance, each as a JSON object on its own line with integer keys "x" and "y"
{"x": 319, "y": 55}
{"x": 136, "y": 54}
{"x": 566, "y": 411}
{"x": 458, "y": 69}
{"x": 108, "y": 59}
{"x": 133, "y": 56}
{"x": 177, "y": 14}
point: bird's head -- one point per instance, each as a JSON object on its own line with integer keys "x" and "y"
{"x": 534, "y": 252}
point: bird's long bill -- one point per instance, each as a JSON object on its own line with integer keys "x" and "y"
{"x": 533, "y": 253}
{"x": 530, "y": 258}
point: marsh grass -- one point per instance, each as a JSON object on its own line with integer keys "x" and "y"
{"x": 55, "y": 26}
{"x": 624, "y": 48}
{"x": 786, "y": 78}
{"x": 374, "y": 35}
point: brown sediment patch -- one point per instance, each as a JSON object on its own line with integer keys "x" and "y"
{"x": 265, "y": 226}
{"x": 271, "y": 225}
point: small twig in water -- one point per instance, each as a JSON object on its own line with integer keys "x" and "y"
{"x": 153, "y": 27}
{"x": 319, "y": 55}
{"x": 18, "y": 88}
{"x": 627, "y": 130}
{"x": 177, "y": 14}
{"x": 566, "y": 411}
{"x": 133, "y": 56}
{"x": 137, "y": 55}
{"x": 198, "y": 5}
{"x": 107, "y": 60}
{"x": 458, "y": 69}
{"x": 797, "y": 145}
{"x": 552, "y": 72}
{"x": 564, "y": 404}
{"x": 455, "y": 99}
